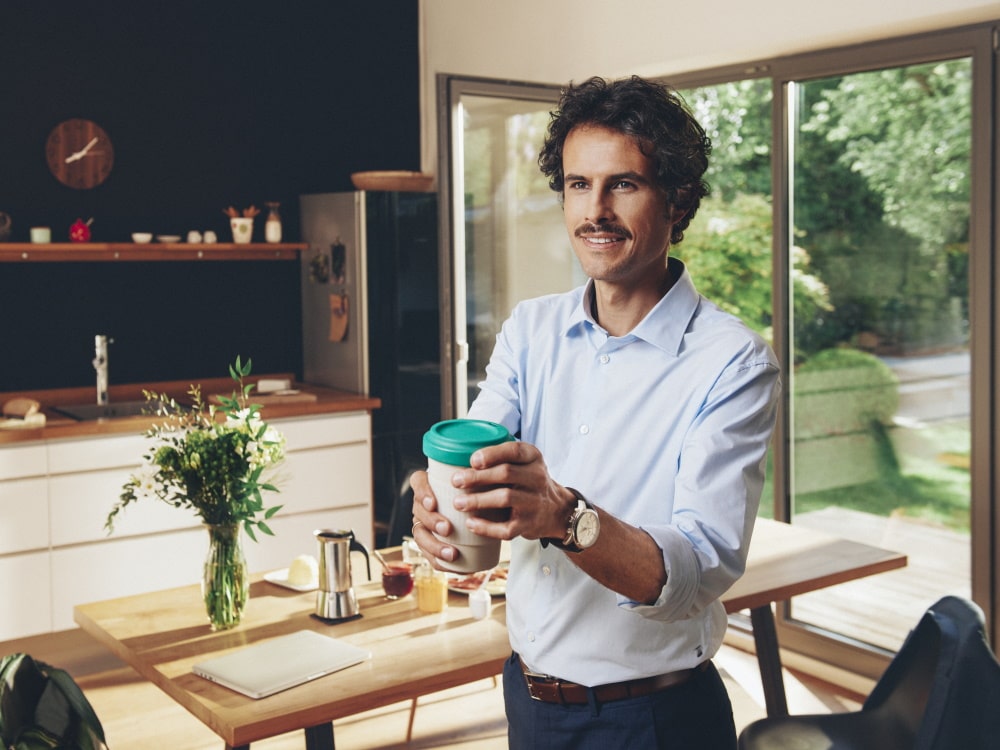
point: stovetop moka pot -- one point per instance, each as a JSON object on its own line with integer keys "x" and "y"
{"x": 335, "y": 599}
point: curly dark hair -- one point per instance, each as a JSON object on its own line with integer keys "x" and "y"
{"x": 658, "y": 121}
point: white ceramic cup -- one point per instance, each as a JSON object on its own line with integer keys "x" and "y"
{"x": 242, "y": 227}
{"x": 41, "y": 235}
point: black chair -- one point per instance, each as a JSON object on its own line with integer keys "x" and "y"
{"x": 940, "y": 692}
{"x": 402, "y": 514}
{"x": 41, "y": 706}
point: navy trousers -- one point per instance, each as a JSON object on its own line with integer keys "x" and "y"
{"x": 696, "y": 715}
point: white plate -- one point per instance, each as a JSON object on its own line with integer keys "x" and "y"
{"x": 280, "y": 578}
{"x": 168, "y": 238}
{"x": 495, "y": 587}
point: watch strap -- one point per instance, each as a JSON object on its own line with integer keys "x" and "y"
{"x": 566, "y": 543}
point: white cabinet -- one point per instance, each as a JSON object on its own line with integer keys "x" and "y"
{"x": 55, "y": 496}
{"x": 325, "y": 482}
{"x": 25, "y": 570}
{"x": 27, "y": 582}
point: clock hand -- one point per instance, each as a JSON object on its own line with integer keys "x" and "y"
{"x": 82, "y": 152}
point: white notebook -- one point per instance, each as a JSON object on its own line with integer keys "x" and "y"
{"x": 280, "y": 663}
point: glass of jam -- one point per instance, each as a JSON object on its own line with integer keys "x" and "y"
{"x": 397, "y": 580}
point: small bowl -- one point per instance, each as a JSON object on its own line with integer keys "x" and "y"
{"x": 142, "y": 237}
{"x": 169, "y": 238}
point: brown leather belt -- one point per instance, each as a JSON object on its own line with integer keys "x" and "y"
{"x": 550, "y": 689}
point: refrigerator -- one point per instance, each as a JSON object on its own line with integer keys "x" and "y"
{"x": 371, "y": 324}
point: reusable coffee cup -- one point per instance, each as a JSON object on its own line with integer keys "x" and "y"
{"x": 448, "y": 446}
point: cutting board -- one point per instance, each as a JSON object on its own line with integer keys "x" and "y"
{"x": 273, "y": 399}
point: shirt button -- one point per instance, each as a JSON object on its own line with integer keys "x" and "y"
{"x": 531, "y": 637}
{"x": 584, "y": 429}
{"x": 546, "y": 570}
{"x": 604, "y": 359}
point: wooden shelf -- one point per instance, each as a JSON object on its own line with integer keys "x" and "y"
{"x": 26, "y": 252}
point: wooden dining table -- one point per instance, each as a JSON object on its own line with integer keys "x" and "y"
{"x": 163, "y": 633}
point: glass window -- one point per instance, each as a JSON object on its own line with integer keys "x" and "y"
{"x": 880, "y": 332}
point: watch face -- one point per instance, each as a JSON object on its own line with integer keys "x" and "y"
{"x": 79, "y": 154}
{"x": 588, "y": 526}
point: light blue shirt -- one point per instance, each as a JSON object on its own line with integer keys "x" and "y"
{"x": 666, "y": 428}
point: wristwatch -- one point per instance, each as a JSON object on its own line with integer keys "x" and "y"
{"x": 583, "y": 529}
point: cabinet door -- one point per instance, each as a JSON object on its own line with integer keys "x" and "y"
{"x": 24, "y": 515}
{"x": 293, "y": 536}
{"x": 22, "y": 461}
{"x": 327, "y": 463}
{"x": 326, "y": 477}
{"x": 68, "y": 456}
{"x": 27, "y": 600}
{"x": 81, "y": 502}
{"x": 122, "y": 567}
{"x": 86, "y": 478}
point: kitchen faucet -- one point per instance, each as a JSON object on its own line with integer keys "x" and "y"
{"x": 100, "y": 363}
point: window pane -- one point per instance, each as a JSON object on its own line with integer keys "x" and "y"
{"x": 728, "y": 245}
{"x": 516, "y": 245}
{"x": 880, "y": 335}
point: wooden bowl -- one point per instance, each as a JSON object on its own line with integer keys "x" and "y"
{"x": 416, "y": 182}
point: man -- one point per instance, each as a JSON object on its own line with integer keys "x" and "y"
{"x": 656, "y": 408}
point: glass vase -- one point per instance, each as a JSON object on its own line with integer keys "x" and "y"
{"x": 225, "y": 586}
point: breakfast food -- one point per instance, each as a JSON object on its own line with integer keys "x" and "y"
{"x": 303, "y": 571}
{"x": 475, "y": 580}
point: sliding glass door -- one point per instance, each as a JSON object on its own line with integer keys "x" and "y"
{"x": 507, "y": 240}
{"x": 880, "y": 372}
{"x": 883, "y": 313}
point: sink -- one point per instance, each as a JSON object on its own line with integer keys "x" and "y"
{"x": 85, "y": 412}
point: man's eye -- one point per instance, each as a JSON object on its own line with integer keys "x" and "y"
{"x": 578, "y": 185}
{"x": 624, "y": 185}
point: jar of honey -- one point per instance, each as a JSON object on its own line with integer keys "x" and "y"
{"x": 432, "y": 589}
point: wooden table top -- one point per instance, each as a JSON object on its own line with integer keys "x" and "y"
{"x": 162, "y": 634}
{"x": 787, "y": 560}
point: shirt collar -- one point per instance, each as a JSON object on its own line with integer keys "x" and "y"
{"x": 664, "y": 326}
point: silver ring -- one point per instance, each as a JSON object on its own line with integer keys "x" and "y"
{"x": 414, "y": 527}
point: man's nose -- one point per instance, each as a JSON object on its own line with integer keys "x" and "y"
{"x": 599, "y": 207}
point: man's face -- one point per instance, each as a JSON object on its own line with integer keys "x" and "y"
{"x": 615, "y": 213}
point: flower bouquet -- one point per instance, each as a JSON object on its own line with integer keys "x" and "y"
{"x": 213, "y": 460}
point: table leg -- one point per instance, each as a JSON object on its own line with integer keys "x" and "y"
{"x": 320, "y": 737}
{"x": 237, "y": 747}
{"x": 769, "y": 660}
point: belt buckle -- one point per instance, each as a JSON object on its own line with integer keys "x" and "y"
{"x": 530, "y": 679}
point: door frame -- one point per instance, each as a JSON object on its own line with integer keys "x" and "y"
{"x": 451, "y": 209}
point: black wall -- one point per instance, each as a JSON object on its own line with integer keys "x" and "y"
{"x": 209, "y": 104}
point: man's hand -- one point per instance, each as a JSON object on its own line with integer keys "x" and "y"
{"x": 509, "y": 477}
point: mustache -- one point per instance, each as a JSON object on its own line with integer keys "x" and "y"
{"x": 621, "y": 231}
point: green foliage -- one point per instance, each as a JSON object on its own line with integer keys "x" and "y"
{"x": 728, "y": 250}
{"x": 860, "y": 384}
{"x": 42, "y": 708}
{"x": 737, "y": 117}
{"x": 209, "y": 459}
{"x": 881, "y": 209}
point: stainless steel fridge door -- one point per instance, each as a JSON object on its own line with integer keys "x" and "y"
{"x": 334, "y": 291}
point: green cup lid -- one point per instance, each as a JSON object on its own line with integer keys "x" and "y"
{"x": 455, "y": 440}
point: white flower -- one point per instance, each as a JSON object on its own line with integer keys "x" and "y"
{"x": 145, "y": 480}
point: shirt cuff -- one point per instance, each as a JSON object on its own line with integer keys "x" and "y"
{"x": 677, "y": 599}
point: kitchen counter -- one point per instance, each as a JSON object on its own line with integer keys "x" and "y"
{"x": 327, "y": 401}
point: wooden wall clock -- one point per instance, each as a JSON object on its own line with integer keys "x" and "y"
{"x": 79, "y": 154}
